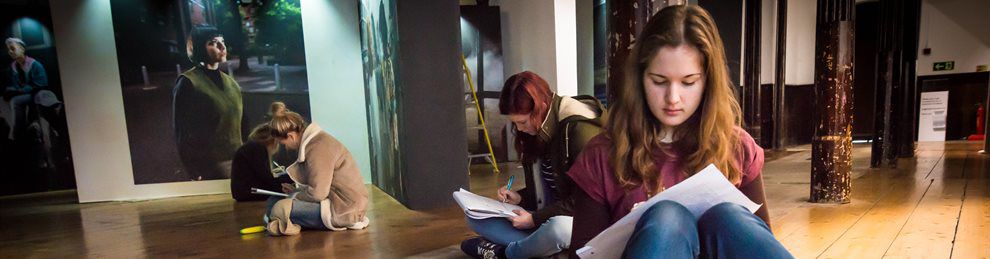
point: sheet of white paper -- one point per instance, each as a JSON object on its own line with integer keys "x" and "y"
{"x": 267, "y": 192}
{"x": 480, "y": 207}
{"x": 698, "y": 193}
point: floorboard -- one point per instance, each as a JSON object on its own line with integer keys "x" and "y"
{"x": 935, "y": 205}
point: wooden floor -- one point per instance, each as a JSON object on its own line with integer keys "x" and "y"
{"x": 936, "y": 205}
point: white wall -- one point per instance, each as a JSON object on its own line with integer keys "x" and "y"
{"x": 565, "y": 35}
{"x": 947, "y": 39}
{"x": 585, "y": 46}
{"x": 530, "y": 41}
{"x": 800, "y": 42}
{"x": 949, "y": 42}
{"x": 95, "y": 110}
{"x": 528, "y": 38}
{"x": 768, "y": 40}
{"x": 336, "y": 82}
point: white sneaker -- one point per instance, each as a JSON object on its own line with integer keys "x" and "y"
{"x": 361, "y": 224}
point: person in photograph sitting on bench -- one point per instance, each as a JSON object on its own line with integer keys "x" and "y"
{"x": 252, "y": 166}
{"x": 674, "y": 114}
{"x": 551, "y": 131}
{"x": 27, "y": 76}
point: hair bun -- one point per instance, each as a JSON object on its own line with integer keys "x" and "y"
{"x": 284, "y": 121}
{"x": 278, "y": 109}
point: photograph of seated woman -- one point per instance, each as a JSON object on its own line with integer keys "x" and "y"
{"x": 330, "y": 193}
{"x": 27, "y": 76}
{"x": 252, "y": 166}
{"x": 30, "y": 110}
{"x": 675, "y": 114}
{"x": 550, "y": 130}
{"x": 208, "y": 109}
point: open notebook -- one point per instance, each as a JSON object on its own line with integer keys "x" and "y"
{"x": 698, "y": 193}
{"x": 480, "y": 207}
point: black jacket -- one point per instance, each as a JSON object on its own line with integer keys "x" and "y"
{"x": 567, "y": 139}
{"x": 251, "y": 169}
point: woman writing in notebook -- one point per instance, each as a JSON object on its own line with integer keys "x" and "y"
{"x": 675, "y": 114}
{"x": 331, "y": 193}
{"x": 551, "y": 131}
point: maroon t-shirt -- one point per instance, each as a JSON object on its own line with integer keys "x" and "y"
{"x": 592, "y": 173}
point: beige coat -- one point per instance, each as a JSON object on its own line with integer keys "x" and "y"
{"x": 330, "y": 176}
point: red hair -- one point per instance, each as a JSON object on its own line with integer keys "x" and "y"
{"x": 527, "y": 93}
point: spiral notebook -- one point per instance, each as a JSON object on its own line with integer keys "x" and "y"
{"x": 480, "y": 207}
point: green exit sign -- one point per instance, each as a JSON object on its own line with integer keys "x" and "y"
{"x": 943, "y": 66}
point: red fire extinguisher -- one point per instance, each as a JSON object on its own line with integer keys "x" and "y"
{"x": 980, "y": 121}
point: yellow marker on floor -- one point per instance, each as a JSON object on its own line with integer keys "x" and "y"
{"x": 252, "y": 230}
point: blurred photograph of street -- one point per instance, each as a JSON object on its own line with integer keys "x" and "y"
{"x": 263, "y": 50}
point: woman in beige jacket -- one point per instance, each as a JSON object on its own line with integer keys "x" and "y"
{"x": 330, "y": 193}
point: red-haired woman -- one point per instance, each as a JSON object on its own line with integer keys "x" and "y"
{"x": 551, "y": 131}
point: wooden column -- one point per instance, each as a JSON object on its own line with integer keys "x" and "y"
{"x": 751, "y": 72}
{"x": 882, "y": 102}
{"x": 890, "y": 70}
{"x": 911, "y": 22}
{"x": 896, "y": 105}
{"x": 831, "y": 156}
{"x": 986, "y": 122}
{"x": 779, "y": 123}
{"x": 625, "y": 20}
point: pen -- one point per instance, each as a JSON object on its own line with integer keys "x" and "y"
{"x": 508, "y": 187}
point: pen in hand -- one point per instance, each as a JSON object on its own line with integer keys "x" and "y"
{"x": 508, "y": 187}
{"x": 278, "y": 167}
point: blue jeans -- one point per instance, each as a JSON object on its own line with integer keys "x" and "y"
{"x": 668, "y": 229}
{"x": 550, "y": 238}
{"x": 305, "y": 214}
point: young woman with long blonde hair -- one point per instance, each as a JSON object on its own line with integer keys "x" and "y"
{"x": 675, "y": 114}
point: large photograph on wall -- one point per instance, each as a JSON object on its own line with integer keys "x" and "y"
{"x": 34, "y": 139}
{"x": 379, "y": 47}
{"x": 198, "y": 75}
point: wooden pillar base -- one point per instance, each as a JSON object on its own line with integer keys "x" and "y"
{"x": 831, "y": 153}
{"x": 831, "y": 163}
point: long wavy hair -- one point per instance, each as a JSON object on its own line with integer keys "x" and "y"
{"x": 707, "y": 136}
{"x": 527, "y": 93}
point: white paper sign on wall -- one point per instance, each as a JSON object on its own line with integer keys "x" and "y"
{"x": 931, "y": 118}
